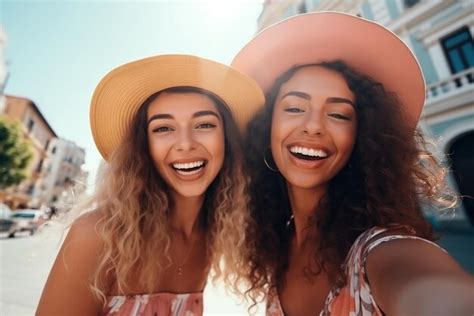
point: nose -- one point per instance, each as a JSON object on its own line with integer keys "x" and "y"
{"x": 185, "y": 141}
{"x": 314, "y": 124}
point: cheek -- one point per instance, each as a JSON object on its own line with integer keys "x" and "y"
{"x": 277, "y": 131}
{"x": 215, "y": 145}
{"x": 220, "y": 149}
{"x": 156, "y": 152}
{"x": 346, "y": 140}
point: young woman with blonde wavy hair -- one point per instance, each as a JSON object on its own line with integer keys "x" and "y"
{"x": 339, "y": 175}
{"x": 170, "y": 201}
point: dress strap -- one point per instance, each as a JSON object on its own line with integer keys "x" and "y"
{"x": 357, "y": 292}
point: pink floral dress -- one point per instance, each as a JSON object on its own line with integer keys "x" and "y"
{"x": 355, "y": 298}
{"x": 159, "y": 304}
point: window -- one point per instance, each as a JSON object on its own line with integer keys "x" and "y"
{"x": 459, "y": 51}
{"x": 30, "y": 125}
{"x": 40, "y": 164}
{"x": 302, "y": 8}
{"x": 410, "y": 3}
{"x": 53, "y": 150}
{"x": 30, "y": 190}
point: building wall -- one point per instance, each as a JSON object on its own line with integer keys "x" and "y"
{"x": 38, "y": 131}
{"x": 63, "y": 169}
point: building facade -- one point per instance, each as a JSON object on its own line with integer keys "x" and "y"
{"x": 40, "y": 133}
{"x": 56, "y": 165}
{"x": 440, "y": 33}
{"x": 62, "y": 172}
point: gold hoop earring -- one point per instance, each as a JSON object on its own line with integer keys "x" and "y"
{"x": 266, "y": 162}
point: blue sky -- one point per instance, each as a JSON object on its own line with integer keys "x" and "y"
{"x": 57, "y": 51}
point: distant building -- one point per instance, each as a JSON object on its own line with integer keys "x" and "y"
{"x": 440, "y": 33}
{"x": 62, "y": 171}
{"x": 56, "y": 164}
{"x": 40, "y": 133}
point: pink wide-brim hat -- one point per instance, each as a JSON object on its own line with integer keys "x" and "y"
{"x": 365, "y": 46}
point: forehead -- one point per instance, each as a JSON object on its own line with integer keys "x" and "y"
{"x": 317, "y": 79}
{"x": 179, "y": 103}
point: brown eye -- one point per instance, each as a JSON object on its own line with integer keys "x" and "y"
{"x": 340, "y": 116}
{"x": 205, "y": 126}
{"x": 162, "y": 129}
{"x": 293, "y": 110}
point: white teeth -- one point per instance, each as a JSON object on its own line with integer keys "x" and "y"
{"x": 308, "y": 151}
{"x": 187, "y": 173}
{"x": 188, "y": 165}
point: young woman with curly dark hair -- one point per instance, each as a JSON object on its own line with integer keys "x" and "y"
{"x": 339, "y": 175}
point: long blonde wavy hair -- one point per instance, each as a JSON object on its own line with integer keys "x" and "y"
{"x": 134, "y": 204}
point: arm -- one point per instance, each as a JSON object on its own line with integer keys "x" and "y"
{"x": 413, "y": 277}
{"x": 67, "y": 290}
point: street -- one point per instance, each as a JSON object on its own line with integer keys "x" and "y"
{"x": 26, "y": 261}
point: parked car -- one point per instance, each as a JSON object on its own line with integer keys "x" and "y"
{"x": 6, "y": 222}
{"x": 27, "y": 220}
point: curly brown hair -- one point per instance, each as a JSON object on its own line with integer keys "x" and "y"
{"x": 389, "y": 175}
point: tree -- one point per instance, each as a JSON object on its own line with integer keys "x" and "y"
{"x": 16, "y": 153}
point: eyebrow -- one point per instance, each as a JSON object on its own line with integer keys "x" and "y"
{"x": 306, "y": 96}
{"x": 297, "y": 94}
{"x": 204, "y": 113}
{"x": 339, "y": 100}
{"x": 159, "y": 116}
{"x": 171, "y": 117}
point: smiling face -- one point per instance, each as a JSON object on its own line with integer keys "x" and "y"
{"x": 186, "y": 141}
{"x": 313, "y": 127}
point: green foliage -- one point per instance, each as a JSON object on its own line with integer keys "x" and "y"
{"x": 16, "y": 153}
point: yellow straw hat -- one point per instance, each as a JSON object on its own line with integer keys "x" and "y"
{"x": 122, "y": 91}
{"x": 364, "y": 45}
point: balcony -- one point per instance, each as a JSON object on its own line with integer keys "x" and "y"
{"x": 453, "y": 92}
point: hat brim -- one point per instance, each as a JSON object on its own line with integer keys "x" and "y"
{"x": 367, "y": 47}
{"x": 122, "y": 91}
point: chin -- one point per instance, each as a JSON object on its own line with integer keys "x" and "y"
{"x": 308, "y": 183}
{"x": 191, "y": 192}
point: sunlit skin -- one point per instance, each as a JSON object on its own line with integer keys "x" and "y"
{"x": 314, "y": 114}
{"x": 184, "y": 129}
{"x": 313, "y": 133}
{"x": 314, "y": 110}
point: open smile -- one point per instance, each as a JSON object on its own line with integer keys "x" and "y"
{"x": 189, "y": 168}
{"x": 307, "y": 153}
{"x": 307, "y": 157}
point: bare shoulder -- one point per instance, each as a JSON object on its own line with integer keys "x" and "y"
{"x": 68, "y": 288}
{"x": 416, "y": 255}
{"x": 83, "y": 231}
{"x": 418, "y": 267}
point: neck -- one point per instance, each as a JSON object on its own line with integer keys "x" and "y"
{"x": 304, "y": 204}
{"x": 185, "y": 214}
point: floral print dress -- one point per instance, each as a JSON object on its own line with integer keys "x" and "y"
{"x": 159, "y": 304}
{"x": 355, "y": 298}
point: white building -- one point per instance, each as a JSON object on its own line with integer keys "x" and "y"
{"x": 440, "y": 33}
{"x": 63, "y": 171}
